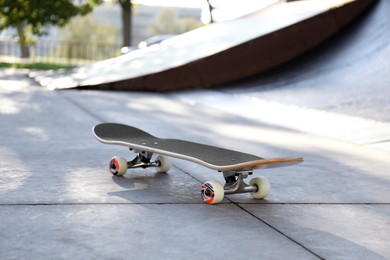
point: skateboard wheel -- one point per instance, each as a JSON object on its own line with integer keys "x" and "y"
{"x": 263, "y": 187}
{"x": 118, "y": 165}
{"x": 163, "y": 164}
{"x": 212, "y": 192}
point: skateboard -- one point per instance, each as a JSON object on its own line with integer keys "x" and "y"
{"x": 235, "y": 166}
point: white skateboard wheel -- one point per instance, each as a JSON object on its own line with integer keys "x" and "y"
{"x": 118, "y": 165}
{"x": 212, "y": 192}
{"x": 263, "y": 187}
{"x": 164, "y": 164}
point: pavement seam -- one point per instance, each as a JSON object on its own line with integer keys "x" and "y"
{"x": 279, "y": 231}
{"x": 187, "y": 173}
{"x": 98, "y": 204}
{"x": 269, "y": 225}
{"x": 82, "y": 108}
{"x": 185, "y": 203}
{"x": 259, "y": 219}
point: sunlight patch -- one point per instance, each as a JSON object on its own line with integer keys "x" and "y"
{"x": 12, "y": 172}
{"x": 36, "y": 133}
{"x": 9, "y": 107}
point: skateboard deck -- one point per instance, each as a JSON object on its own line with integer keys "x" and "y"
{"x": 215, "y": 158}
{"x": 235, "y": 165}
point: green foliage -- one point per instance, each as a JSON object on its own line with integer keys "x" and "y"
{"x": 38, "y": 13}
{"x": 35, "y": 14}
{"x": 37, "y": 66}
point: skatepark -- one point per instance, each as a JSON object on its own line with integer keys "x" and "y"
{"x": 330, "y": 106}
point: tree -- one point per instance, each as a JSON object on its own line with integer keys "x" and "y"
{"x": 36, "y": 14}
{"x": 127, "y": 12}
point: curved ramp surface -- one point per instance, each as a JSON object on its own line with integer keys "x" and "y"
{"x": 347, "y": 75}
{"x": 340, "y": 90}
{"x": 218, "y": 53}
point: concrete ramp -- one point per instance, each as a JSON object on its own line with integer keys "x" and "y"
{"x": 340, "y": 90}
{"x": 347, "y": 75}
{"x": 217, "y": 53}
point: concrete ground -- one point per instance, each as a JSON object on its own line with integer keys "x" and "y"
{"x": 57, "y": 199}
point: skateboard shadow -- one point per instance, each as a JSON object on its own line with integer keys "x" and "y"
{"x": 134, "y": 187}
{"x": 150, "y": 187}
{"x": 129, "y": 181}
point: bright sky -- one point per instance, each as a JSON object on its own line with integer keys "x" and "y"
{"x": 225, "y": 9}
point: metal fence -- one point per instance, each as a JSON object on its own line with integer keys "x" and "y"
{"x": 59, "y": 52}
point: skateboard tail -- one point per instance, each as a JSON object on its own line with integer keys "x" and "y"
{"x": 279, "y": 162}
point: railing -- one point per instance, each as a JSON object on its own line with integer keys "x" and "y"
{"x": 59, "y": 52}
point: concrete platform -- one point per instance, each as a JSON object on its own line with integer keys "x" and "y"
{"x": 57, "y": 199}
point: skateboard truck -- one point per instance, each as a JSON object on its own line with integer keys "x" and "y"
{"x": 235, "y": 182}
{"x": 213, "y": 192}
{"x": 119, "y": 165}
{"x": 142, "y": 160}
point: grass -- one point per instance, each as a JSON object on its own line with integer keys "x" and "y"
{"x": 37, "y": 66}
